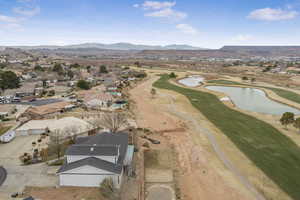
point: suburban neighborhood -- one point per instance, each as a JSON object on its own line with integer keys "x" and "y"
{"x": 149, "y": 100}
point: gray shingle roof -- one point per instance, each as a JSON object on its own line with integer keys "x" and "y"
{"x": 92, "y": 150}
{"x": 104, "y": 144}
{"x": 92, "y": 161}
{"x": 120, "y": 139}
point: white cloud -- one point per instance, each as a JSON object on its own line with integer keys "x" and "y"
{"x": 8, "y": 19}
{"x": 186, "y": 28}
{"x": 167, "y": 13}
{"x": 270, "y": 14}
{"x": 157, "y": 5}
{"x": 27, "y": 12}
{"x": 161, "y": 9}
{"x": 242, "y": 38}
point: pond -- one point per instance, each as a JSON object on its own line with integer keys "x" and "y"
{"x": 192, "y": 81}
{"x": 255, "y": 100}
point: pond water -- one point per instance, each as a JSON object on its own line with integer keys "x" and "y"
{"x": 192, "y": 81}
{"x": 254, "y": 100}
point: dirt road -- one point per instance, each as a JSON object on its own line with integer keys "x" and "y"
{"x": 202, "y": 174}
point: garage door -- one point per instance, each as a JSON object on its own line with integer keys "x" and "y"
{"x": 82, "y": 180}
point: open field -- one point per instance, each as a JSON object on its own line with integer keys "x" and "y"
{"x": 292, "y": 96}
{"x": 64, "y": 193}
{"x": 274, "y": 153}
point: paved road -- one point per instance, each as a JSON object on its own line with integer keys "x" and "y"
{"x": 40, "y": 102}
{"x": 221, "y": 154}
{"x": 3, "y": 175}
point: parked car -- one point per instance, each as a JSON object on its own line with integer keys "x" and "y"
{"x": 16, "y": 99}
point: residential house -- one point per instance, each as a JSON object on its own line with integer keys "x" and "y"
{"x": 66, "y": 127}
{"x": 95, "y": 158}
{"x": 96, "y": 98}
{"x": 45, "y": 111}
{"x": 27, "y": 89}
{"x": 98, "y": 101}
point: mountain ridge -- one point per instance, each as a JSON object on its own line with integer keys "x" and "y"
{"x": 113, "y": 46}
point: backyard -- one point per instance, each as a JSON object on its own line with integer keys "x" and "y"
{"x": 271, "y": 151}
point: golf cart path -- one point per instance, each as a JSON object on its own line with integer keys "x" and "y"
{"x": 221, "y": 155}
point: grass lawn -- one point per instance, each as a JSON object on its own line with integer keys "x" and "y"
{"x": 271, "y": 151}
{"x": 292, "y": 96}
{"x": 4, "y": 129}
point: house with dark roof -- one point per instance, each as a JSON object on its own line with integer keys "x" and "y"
{"x": 92, "y": 159}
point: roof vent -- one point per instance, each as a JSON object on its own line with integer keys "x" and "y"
{"x": 92, "y": 149}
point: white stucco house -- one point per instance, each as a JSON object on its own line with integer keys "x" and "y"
{"x": 101, "y": 100}
{"x": 95, "y": 158}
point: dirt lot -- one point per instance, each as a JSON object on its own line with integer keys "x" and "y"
{"x": 64, "y": 193}
{"x": 198, "y": 164}
{"x": 159, "y": 166}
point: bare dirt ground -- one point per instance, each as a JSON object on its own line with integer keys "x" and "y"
{"x": 64, "y": 193}
{"x": 201, "y": 174}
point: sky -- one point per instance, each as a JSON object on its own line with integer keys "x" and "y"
{"x": 202, "y": 23}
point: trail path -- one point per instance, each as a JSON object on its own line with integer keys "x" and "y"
{"x": 222, "y": 156}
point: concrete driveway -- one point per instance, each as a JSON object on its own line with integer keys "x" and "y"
{"x": 19, "y": 176}
{"x": 162, "y": 192}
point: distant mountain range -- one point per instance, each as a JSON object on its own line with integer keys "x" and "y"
{"x": 115, "y": 46}
{"x": 261, "y": 48}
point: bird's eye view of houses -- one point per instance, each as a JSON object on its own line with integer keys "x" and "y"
{"x": 149, "y": 100}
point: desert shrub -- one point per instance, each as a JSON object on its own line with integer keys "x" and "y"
{"x": 108, "y": 190}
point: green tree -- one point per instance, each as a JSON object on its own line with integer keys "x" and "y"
{"x": 153, "y": 92}
{"x": 45, "y": 83}
{"x": 88, "y": 68}
{"x": 138, "y": 64}
{"x": 172, "y": 75}
{"x": 244, "y": 78}
{"x": 75, "y": 65}
{"x": 38, "y": 68}
{"x": 82, "y": 84}
{"x": 297, "y": 123}
{"x": 3, "y": 65}
{"x": 70, "y": 74}
{"x": 103, "y": 69}
{"x": 9, "y": 80}
{"x": 287, "y": 118}
{"x": 58, "y": 68}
